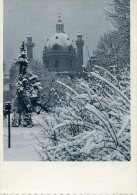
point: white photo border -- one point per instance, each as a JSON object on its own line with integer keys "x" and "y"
{"x": 74, "y": 177}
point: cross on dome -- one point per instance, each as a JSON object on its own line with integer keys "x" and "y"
{"x": 59, "y": 19}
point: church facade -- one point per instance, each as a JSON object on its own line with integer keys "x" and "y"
{"x": 60, "y": 55}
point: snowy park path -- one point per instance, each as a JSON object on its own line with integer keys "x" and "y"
{"x": 23, "y": 142}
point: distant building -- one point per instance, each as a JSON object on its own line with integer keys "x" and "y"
{"x": 60, "y": 55}
{"x": 6, "y": 81}
{"x": 13, "y": 73}
{"x": 29, "y": 44}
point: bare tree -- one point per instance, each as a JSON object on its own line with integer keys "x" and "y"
{"x": 113, "y": 49}
{"x": 120, "y": 17}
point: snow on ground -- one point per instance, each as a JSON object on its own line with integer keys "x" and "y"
{"x": 23, "y": 142}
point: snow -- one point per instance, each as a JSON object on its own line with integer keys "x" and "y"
{"x": 101, "y": 118}
{"x": 111, "y": 85}
{"x": 62, "y": 40}
{"x": 126, "y": 122}
{"x": 90, "y": 123}
{"x": 106, "y": 72}
{"x": 67, "y": 123}
{"x": 68, "y": 87}
{"x": 24, "y": 143}
{"x": 33, "y": 77}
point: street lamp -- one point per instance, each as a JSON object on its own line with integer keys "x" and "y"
{"x": 8, "y": 111}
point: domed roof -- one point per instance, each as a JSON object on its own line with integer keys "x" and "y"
{"x": 61, "y": 39}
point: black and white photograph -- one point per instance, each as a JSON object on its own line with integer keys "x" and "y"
{"x": 66, "y": 80}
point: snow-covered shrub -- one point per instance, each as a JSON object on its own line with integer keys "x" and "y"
{"x": 92, "y": 123}
{"x": 52, "y": 92}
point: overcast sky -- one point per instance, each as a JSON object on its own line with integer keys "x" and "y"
{"x": 39, "y": 18}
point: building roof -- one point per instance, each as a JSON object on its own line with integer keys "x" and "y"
{"x": 61, "y": 39}
{"x": 29, "y": 35}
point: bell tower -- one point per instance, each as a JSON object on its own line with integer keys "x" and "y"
{"x": 29, "y": 46}
{"x": 80, "y": 44}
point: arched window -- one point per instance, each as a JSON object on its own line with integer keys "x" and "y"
{"x": 70, "y": 63}
{"x": 70, "y": 48}
{"x": 56, "y": 47}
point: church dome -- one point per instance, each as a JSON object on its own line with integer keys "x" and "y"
{"x": 60, "y": 39}
{"x": 59, "y": 54}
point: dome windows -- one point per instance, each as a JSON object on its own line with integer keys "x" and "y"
{"x": 56, "y": 47}
{"x": 60, "y": 39}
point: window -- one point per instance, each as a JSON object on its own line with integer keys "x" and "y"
{"x": 70, "y": 48}
{"x": 70, "y": 63}
{"x": 56, "y": 63}
{"x": 56, "y": 47}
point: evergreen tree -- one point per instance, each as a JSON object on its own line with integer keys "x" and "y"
{"x": 28, "y": 91}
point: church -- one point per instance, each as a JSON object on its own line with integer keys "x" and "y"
{"x": 60, "y": 54}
